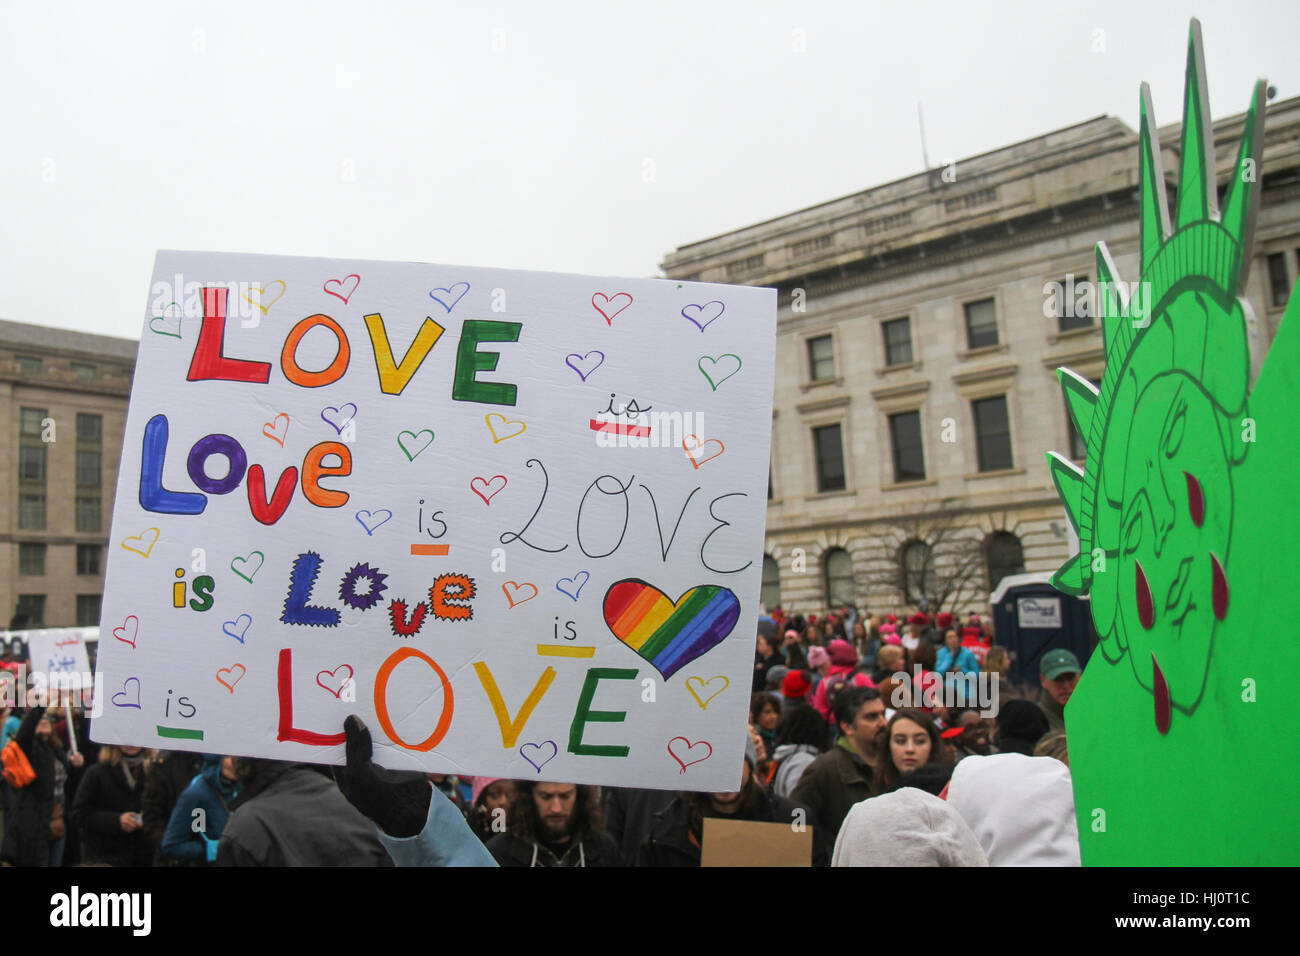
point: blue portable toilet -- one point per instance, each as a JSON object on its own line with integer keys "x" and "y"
{"x": 1030, "y": 618}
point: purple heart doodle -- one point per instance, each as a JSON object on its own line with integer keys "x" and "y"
{"x": 559, "y": 585}
{"x": 372, "y": 515}
{"x": 232, "y": 628}
{"x": 694, "y": 313}
{"x": 338, "y": 421}
{"x": 135, "y": 680}
{"x": 569, "y": 361}
{"x": 539, "y": 749}
{"x": 452, "y": 295}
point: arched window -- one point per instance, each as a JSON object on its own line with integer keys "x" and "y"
{"x": 1004, "y": 555}
{"x": 918, "y": 572}
{"x": 840, "y": 590}
{"x": 771, "y": 592}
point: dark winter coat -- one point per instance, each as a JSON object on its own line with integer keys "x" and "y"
{"x": 595, "y": 849}
{"x": 671, "y": 842}
{"x": 163, "y": 785}
{"x": 27, "y": 827}
{"x": 290, "y": 815}
{"x": 102, "y": 797}
{"x": 831, "y": 785}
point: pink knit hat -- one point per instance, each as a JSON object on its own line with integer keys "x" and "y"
{"x": 481, "y": 784}
{"x": 817, "y": 656}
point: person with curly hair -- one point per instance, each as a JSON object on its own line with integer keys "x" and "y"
{"x": 554, "y": 824}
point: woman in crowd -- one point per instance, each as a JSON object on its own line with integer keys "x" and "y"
{"x": 764, "y": 715}
{"x": 490, "y": 805}
{"x": 911, "y": 740}
{"x": 35, "y": 827}
{"x": 955, "y": 659}
{"x": 107, "y": 809}
{"x": 800, "y": 739}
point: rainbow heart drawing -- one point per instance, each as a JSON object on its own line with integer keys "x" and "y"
{"x": 670, "y": 634}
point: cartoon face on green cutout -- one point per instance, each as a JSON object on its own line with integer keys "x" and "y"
{"x": 1154, "y": 509}
{"x": 1175, "y": 524}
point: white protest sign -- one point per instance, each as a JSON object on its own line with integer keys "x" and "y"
{"x": 512, "y": 520}
{"x": 59, "y": 664}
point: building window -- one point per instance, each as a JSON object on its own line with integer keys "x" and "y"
{"x": 821, "y": 358}
{"x": 88, "y": 469}
{"x": 88, "y": 518}
{"x": 31, "y": 558}
{"x": 742, "y": 266}
{"x": 771, "y": 592}
{"x": 89, "y": 428}
{"x": 839, "y": 579}
{"x": 88, "y": 557}
{"x": 1278, "y": 280}
{"x": 829, "y": 453}
{"x": 31, "y": 421}
{"x": 30, "y": 611}
{"x": 918, "y": 575}
{"x": 909, "y": 457}
{"x": 27, "y": 365}
{"x": 992, "y": 433}
{"x": 85, "y": 371}
{"x": 898, "y": 341}
{"x": 981, "y": 324}
{"x": 806, "y": 247}
{"x": 31, "y": 511}
{"x": 31, "y": 463}
{"x": 1072, "y": 303}
{"x": 1078, "y": 442}
{"x": 88, "y": 610}
{"x": 1005, "y": 557}
{"x": 769, "y": 482}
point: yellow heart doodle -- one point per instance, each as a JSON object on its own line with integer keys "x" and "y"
{"x": 261, "y": 301}
{"x": 499, "y": 438}
{"x": 704, "y": 701}
{"x": 130, "y": 544}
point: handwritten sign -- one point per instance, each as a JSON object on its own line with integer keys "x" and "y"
{"x": 512, "y": 520}
{"x": 57, "y": 651}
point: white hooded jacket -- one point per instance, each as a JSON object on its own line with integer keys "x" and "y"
{"x": 1021, "y": 808}
{"x": 908, "y": 827}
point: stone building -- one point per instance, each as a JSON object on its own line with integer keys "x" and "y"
{"x": 63, "y": 399}
{"x": 920, "y": 325}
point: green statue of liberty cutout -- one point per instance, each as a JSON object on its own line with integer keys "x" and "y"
{"x": 1183, "y": 514}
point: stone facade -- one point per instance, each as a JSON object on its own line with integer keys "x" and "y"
{"x": 63, "y": 400}
{"x": 935, "y": 249}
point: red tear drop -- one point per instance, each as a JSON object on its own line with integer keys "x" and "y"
{"x": 1160, "y": 688}
{"x": 1195, "y": 499}
{"x": 1146, "y": 607}
{"x": 1220, "y": 589}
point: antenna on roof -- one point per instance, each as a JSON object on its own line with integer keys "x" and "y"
{"x": 920, "y": 119}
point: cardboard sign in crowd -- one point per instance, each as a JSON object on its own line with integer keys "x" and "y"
{"x": 512, "y": 520}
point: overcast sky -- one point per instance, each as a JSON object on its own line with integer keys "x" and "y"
{"x": 576, "y": 137}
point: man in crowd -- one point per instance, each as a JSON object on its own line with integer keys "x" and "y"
{"x": 842, "y": 776}
{"x": 1058, "y": 673}
{"x": 554, "y": 824}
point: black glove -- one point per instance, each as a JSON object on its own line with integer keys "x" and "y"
{"x": 398, "y": 802}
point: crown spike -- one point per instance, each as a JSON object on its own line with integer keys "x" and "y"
{"x": 1080, "y": 399}
{"x": 1151, "y": 181}
{"x": 1197, "y": 190}
{"x": 1242, "y": 196}
{"x": 1112, "y": 299}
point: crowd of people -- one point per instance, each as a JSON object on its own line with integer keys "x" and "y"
{"x": 858, "y": 732}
